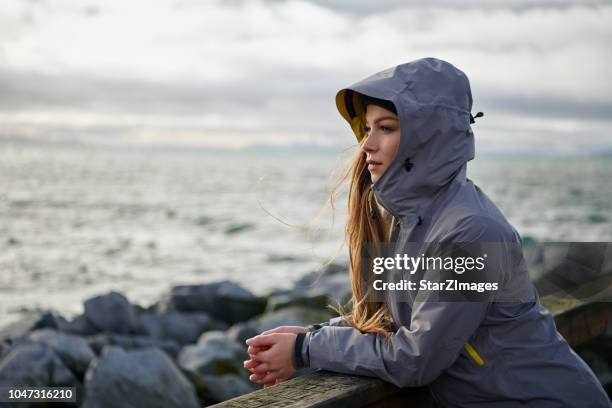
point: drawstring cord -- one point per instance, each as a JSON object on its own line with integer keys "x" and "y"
{"x": 478, "y": 115}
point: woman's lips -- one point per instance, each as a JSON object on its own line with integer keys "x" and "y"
{"x": 373, "y": 165}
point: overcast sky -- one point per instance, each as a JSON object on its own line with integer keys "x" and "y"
{"x": 237, "y": 73}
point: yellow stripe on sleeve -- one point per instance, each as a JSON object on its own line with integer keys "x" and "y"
{"x": 477, "y": 359}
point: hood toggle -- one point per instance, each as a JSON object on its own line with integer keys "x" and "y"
{"x": 478, "y": 115}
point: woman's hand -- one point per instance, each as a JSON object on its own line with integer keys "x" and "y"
{"x": 253, "y": 362}
{"x": 271, "y": 356}
{"x": 250, "y": 364}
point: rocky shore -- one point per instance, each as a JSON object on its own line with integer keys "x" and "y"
{"x": 185, "y": 350}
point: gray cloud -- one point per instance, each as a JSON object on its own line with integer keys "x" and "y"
{"x": 257, "y": 71}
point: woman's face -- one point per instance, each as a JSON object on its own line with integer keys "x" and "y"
{"x": 381, "y": 140}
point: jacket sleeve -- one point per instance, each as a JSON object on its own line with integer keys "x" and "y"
{"x": 419, "y": 353}
{"x": 334, "y": 321}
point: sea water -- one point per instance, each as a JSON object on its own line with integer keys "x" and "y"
{"x": 79, "y": 221}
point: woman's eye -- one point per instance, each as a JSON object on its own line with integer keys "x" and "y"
{"x": 385, "y": 129}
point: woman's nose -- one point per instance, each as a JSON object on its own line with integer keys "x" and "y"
{"x": 368, "y": 145}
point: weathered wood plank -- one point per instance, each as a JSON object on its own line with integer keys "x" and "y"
{"x": 327, "y": 389}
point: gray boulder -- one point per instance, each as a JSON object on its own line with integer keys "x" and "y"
{"x": 288, "y": 316}
{"x": 72, "y": 350}
{"x": 225, "y": 301}
{"x": 132, "y": 342}
{"x": 311, "y": 279}
{"x": 314, "y": 290}
{"x": 239, "y": 332}
{"x": 564, "y": 267}
{"x": 183, "y": 328}
{"x": 35, "y": 365}
{"x": 291, "y": 316}
{"x": 316, "y": 299}
{"x": 130, "y": 379}
{"x": 214, "y": 354}
{"x": 111, "y": 312}
{"x": 80, "y": 325}
{"x": 333, "y": 281}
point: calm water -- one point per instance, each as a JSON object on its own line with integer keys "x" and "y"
{"x": 77, "y": 222}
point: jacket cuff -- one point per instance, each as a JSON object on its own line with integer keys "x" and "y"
{"x": 297, "y": 357}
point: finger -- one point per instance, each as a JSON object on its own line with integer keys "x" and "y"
{"x": 266, "y": 356}
{"x": 262, "y": 340}
{"x": 250, "y": 363}
{"x": 255, "y": 350}
{"x": 261, "y": 368}
{"x": 270, "y": 376}
{"x": 256, "y": 378}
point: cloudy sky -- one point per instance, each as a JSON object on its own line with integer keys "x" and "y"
{"x": 243, "y": 72}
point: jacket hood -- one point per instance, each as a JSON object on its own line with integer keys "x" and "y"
{"x": 433, "y": 100}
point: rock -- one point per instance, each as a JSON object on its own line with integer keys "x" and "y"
{"x": 183, "y": 328}
{"x": 220, "y": 340}
{"x": 215, "y": 354}
{"x": 242, "y": 331}
{"x": 80, "y": 325}
{"x": 310, "y": 279}
{"x": 35, "y": 365}
{"x": 111, "y": 312}
{"x": 131, "y": 342}
{"x": 315, "y": 299}
{"x": 291, "y": 316}
{"x": 329, "y": 290}
{"x": 130, "y": 379}
{"x": 74, "y": 351}
{"x": 314, "y": 290}
{"x": 225, "y": 301}
{"x": 333, "y": 281}
{"x": 564, "y": 267}
{"x": 50, "y": 320}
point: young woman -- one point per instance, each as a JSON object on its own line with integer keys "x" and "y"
{"x": 468, "y": 353}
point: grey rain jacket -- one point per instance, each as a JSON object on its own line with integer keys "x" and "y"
{"x": 472, "y": 353}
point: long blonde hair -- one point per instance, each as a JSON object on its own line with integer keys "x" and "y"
{"x": 365, "y": 224}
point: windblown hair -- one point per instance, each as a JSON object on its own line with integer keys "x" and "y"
{"x": 366, "y": 224}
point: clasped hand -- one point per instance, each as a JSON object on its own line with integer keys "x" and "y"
{"x": 271, "y": 355}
